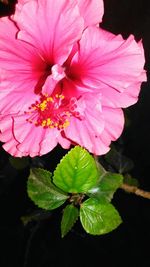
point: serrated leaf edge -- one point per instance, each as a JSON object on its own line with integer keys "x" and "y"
{"x": 71, "y": 225}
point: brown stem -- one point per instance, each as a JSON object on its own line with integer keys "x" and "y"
{"x": 135, "y": 190}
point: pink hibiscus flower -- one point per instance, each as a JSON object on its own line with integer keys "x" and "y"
{"x": 63, "y": 79}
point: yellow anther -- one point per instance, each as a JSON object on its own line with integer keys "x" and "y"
{"x": 49, "y": 121}
{"x": 50, "y": 99}
{"x": 43, "y": 105}
{"x": 61, "y": 96}
{"x": 43, "y": 123}
{"x": 66, "y": 124}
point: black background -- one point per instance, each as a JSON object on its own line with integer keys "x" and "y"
{"x": 128, "y": 245}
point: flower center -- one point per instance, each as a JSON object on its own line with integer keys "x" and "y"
{"x": 56, "y": 71}
{"x": 53, "y": 111}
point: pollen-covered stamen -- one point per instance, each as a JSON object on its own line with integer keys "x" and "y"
{"x": 53, "y": 111}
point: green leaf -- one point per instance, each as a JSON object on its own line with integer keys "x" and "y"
{"x": 101, "y": 169}
{"x": 98, "y": 217}
{"x": 70, "y": 216}
{"x": 77, "y": 171}
{"x": 118, "y": 161}
{"x": 19, "y": 163}
{"x": 44, "y": 194}
{"x": 107, "y": 186}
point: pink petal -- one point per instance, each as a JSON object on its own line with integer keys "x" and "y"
{"x": 20, "y": 69}
{"x": 81, "y": 132}
{"x": 64, "y": 142}
{"x": 16, "y": 101}
{"x": 6, "y": 135}
{"x": 106, "y": 60}
{"x": 114, "y": 123}
{"x": 78, "y": 133}
{"x": 11, "y": 147}
{"x": 92, "y": 112}
{"x": 92, "y": 11}
{"x": 28, "y": 137}
{"x": 100, "y": 146}
{"x": 6, "y": 123}
{"x": 22, "y": 138}
{"x": 33, "y": 140}
{"x": 125, "y": 99}
{"x": 51, "y": 138}
{"x": 51, "y": 26}
{"x": 17, "y": 56}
